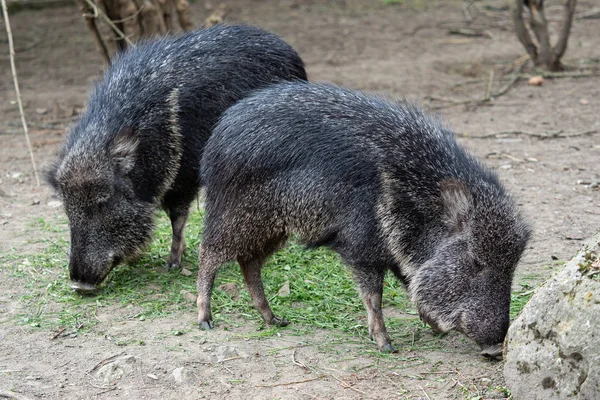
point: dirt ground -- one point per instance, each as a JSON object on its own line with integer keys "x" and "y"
{"x": 404, "y": 50}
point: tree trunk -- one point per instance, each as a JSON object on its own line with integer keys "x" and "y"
{"x": 545, "y": 56}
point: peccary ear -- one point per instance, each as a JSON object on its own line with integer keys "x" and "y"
{"x": 123, "y": 149}
{"x": 457, "y": 203}
{"x": 50, "y": 176}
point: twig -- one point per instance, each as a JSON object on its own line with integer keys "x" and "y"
{"x": 469, "y": 381}
{"x": 291, "y": 383}
{"x": 515, "y": 77}
{"x": 58, "y": 334}
{"x": 18, "y": 92}
{"x": 547, "y": 135}
{"x": 109, "y": 22}
{"x": 465, "y": 10}
{"x": 90, "y": 20}
{"x": 488, "y": 95}
{"x": 558, "y": 75}
{"x": 424, "y": 392}
{"x": 106, "y": 391}
{"x": 300, "y": 364}
{"x": 346, "y": 384}
{"x": 4, "y": 393}
{"x": 589, "y": 14}
{"x": 469, "y": 32}
{"x": 230, "y": 359}
{"x": 105, "y": 361}
{"x": 488, "y": 89}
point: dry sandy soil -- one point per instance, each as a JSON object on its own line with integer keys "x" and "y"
{"x": 404, "y": 50}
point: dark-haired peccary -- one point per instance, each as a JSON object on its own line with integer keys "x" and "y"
{"x": 381, "y": 183}
{"x": 138, "y": 145}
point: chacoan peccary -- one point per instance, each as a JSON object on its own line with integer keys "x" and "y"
{"x": 137, "y": 147}
{"x": 381, "y": 183}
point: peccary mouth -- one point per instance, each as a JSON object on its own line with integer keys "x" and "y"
{"x": 493, "y": 351}
{"x": 82, "y": 287}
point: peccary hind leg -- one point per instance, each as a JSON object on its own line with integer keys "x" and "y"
{"x": 209, "y": 263}
{"x": 251, "y": 270}
{"x": 178, "y": 220}
{"x": 371, "y": 288}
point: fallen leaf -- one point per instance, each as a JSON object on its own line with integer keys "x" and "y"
{"x": 536, "y": 81}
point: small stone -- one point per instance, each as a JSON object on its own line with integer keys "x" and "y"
{"x": 188, "y": 296}
{"x": 153, "y": 377}
{"x": 284, "y": 291}
{"x": 186, "y": 272}
{"x": 181, "y": 375}
{"x": 230, "y": 289}
{"x": 113, "y": 371}
{"x": 41, "y": 111}
{"x": 54, "y": 204}
{"x": 16, "y": 175}
{"x": 584, "y": 102}
{"x": 536, "y": 81}
{"x": 532, "y": 159}
{"x": 35, "y": 202}
{"x": 506, "y": 166}
{"x": 227, "y": 352}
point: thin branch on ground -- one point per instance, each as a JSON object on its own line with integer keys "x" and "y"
{"x": 291, "y": 383}
{"x": 488, "y": 88}
{"x": 4, "y": 393}
{"x": 546, "y": 135}
{"x": 18, "y": 92}
{"x": 514, "y": 78}
{"x": 595, "y": 13}
{"x": 105, "y": 361}
{"x": 58, "y": 334}
{"x": 300, "y": 364}
{"x": 424, "y": 392}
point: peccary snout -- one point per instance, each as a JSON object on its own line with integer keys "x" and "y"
{"x": 86, "y": 270}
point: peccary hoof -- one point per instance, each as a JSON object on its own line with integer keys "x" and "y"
{"x": 206, "y": 325}
{"x": 387, "y": 348}
{"x": 279, "y": 322}
{"x": 172, "y": 266}
{"x": 493, "y": 352}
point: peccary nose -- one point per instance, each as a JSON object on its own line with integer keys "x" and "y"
{"x": 493, "y": 351}
{"x": 82, "y": 287}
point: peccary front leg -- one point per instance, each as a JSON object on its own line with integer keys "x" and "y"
{"x": 371, "y": 289}
{"x": 208, "y": 265}
{"x": 251, "y": 271}
{"x": 178, "y": 220}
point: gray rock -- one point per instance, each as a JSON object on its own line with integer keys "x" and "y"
{"x": 181, "y": 375}
{"x": 115, "y": 370}
{"x": 552, "y": 349}
{"x": 227, "y": 353}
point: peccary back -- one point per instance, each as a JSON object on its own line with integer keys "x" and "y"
{"x": 378, "y": 181}
{"x": 137, "y": 147}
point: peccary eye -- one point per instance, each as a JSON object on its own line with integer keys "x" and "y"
{"x": 100, "y": 207}
{"x": 478, "y": 266}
